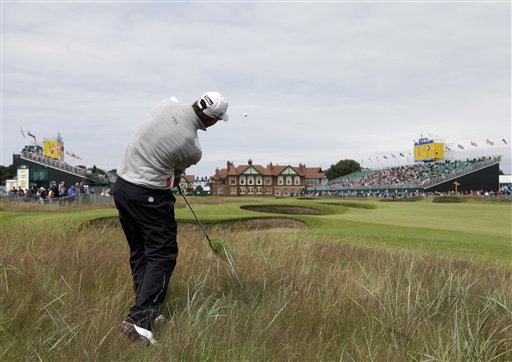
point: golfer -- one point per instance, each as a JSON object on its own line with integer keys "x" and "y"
{"x": 163, "y": 147}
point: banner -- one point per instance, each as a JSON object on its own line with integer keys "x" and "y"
{"x": 53, "y": 149}
{"x": 23, "y": 174}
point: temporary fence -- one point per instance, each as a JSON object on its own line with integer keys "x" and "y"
{"x": 63, "y": 200}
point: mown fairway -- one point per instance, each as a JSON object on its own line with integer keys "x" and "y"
{"x": 479, "y": 230}
{"x": 367, "y": 280}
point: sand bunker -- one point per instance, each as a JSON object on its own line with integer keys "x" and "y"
{"x": 252, "y": 224}
{"x": 262, "y": 224}
{"x": 350, "y": 204}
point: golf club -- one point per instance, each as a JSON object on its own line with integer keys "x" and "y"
{"x": 215, "y": 248}
{"x": 219, "y": 246}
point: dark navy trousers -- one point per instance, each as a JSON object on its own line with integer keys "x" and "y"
{"x": 147, "y": 218}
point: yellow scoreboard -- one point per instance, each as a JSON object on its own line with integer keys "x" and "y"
{"x": 428, "y": 150}
{"x": 53, "y": 149}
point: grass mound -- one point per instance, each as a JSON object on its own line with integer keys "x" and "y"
{"x": 284, "y": 209}
{"x": 403, "y": 199}
{"x": 354, "y": 205}
{"x": 102, "y": 222}
{"x": 451, "y": 199}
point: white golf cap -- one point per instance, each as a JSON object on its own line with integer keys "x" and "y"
{"x": 214, "y": 105}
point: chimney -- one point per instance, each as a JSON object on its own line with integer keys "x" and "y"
{"x": 249, "y": 162}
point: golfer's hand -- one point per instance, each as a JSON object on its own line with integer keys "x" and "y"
{"x": 176, "y": 181}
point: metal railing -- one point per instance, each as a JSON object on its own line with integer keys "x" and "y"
{"x": 50, "y": 162}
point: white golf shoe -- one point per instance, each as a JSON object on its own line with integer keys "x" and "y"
{"x": 136, "y": 333}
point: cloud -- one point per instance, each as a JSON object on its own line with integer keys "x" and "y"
{"x": 319, "y": 81}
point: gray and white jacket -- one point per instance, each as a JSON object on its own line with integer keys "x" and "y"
{"x": 163, "y": 147}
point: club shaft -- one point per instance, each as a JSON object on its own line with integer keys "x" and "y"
{"x": 193, "y": 213}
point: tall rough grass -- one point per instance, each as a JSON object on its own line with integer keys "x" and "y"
{"x": 32, "y": 207}
{"x": 64, "y": 291}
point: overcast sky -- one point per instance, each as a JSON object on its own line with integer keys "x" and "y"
{"x": 320, "y": 82}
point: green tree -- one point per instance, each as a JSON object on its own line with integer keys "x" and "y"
{"x": 6, "y": 173}
{"x": 342, "y": 168}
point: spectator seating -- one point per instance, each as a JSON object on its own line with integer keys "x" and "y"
{"x": 415, "y": 175}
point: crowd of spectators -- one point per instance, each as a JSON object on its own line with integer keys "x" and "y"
{"x": 415, "y": 175}
{"x": 504, "y": 193}
{"x": 59, "y": 194}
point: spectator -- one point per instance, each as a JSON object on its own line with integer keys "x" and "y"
{"x": 42, "y": 194}
{"x": 71, "y": 194}
{"x": 51, "y": 196}
{"x": 62, "y": 189}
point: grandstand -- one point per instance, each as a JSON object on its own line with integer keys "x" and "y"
{"x": 43, "y": 165}
{"x": 44, "y": 171}
{"x": 431, "y": 172}
{"x": 436, "y": 176}
{"x": 348, "y": 179}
